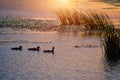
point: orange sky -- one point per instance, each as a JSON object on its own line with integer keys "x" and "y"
{"x": 46, "y": 8}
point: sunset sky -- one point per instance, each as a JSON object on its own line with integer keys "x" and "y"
{"x": 46, "y": 8}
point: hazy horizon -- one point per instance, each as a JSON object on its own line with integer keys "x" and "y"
{"x": 46, "y": 8}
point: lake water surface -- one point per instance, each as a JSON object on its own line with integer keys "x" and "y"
{"x": 67, "y": 62}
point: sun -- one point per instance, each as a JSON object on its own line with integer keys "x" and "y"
{"x": 64, "y": 3}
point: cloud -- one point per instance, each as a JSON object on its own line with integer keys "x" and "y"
{"x": 110, "y": 8}
{"x": 112, "y": 2}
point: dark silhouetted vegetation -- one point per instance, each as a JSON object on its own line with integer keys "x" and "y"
{"x": 111, "y": 43}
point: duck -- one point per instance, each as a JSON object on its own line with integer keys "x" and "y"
{"x": 34, "y": 49}
{"x": 17, "y": 48}
{"x": 49, "y": 51}
{"x": 77, "y": 46}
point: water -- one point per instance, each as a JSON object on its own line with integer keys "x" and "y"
{"x": 68, "y": 62}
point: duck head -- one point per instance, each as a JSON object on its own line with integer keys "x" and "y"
{"x": 38, "y": 47}
{"x": 53, "y": 48}
{"x": 20, "y": 47}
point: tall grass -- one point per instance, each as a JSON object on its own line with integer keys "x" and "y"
{"x": 111, "y": 44}
{"x": 92, "y": 20}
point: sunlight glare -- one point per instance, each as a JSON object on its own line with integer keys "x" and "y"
{"x": 71, "y": 3}
{"x": 64, "y": 3}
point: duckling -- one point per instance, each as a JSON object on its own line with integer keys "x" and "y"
{"x": 52, "y": 51}
{"x": 17, "y": 48}
{"x": 34, "y": 49}
{"x": 89, "y": 45}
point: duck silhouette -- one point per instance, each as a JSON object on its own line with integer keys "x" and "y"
{"x": 49, "y": 51}
{"x": 77, "y": 46}
{"x": 17, "y": 48}
{"x": 34, "y": 49}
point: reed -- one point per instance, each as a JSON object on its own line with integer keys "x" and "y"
{"x": 92, "y": 20}
{"x": 111, "y": 44}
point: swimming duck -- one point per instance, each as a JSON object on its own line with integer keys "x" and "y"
{"x": 34, "y": 49}
{"x": 17, "y": 48}
{"x": 77, "y": 46}
{"x": 52, "y": 51}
